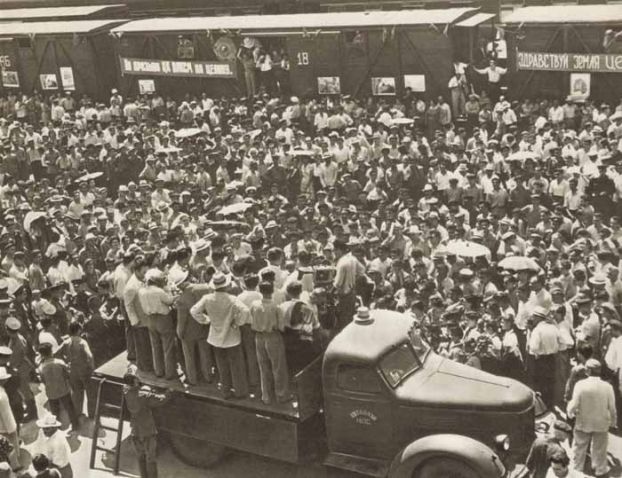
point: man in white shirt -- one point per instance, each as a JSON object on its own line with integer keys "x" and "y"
{"x": 156, "y": 302}
{"x": 225, "y": 313}
{"x": 55, "y": 445}
{"x": 593, "y": 405}
{"x": 543, "y": 345}
{"x": 349, "y": 270}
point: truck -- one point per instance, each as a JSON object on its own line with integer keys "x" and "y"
{"x": 378, "y": 402}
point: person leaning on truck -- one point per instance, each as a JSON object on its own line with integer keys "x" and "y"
{"x": 225, "y": 314}
{"x": 156, "y": 302}
{"x": 139, "y": 401}
{"x": 193, "y": 336}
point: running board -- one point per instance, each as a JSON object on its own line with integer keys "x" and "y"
{"x": 357, "y": 464}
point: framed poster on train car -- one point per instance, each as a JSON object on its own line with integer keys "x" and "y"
{"x": 146, "y": 86}
{"x": 383, "y": 86}
{"x": 66, "y": 78}
{"x": 10, "y": 79}
{"x": 329, "y": 85}
{"x": 415, "y": 82}
{"x": 580, "y": 85}
{"x": 49, "y": 81}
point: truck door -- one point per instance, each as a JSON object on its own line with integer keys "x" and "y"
{"x": 358, "y": 413}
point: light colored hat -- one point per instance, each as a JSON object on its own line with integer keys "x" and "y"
{"x": 539, "y": 311}
{"x": 13, "y": 324}
{"x": 178, "y": 277}
{"x": 154, "y": 275}
{"x": 4, "y": 375}
{"x": 220, "y": 281}
{"x": 201, "y": 245}
{"x": 49, "y": 421}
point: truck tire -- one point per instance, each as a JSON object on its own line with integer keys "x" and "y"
{"x": 195, "y": 452}
{"x": 444, "y": 468}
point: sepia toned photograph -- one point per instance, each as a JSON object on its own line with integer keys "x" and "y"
{"x": 216, "y": 263}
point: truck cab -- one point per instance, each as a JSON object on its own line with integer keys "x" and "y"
{"x": 385, "y": 390}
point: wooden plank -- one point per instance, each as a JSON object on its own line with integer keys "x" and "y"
{"x": 116, "y": 368}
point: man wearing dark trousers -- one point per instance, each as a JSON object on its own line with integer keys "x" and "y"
{"x": 139, "y": 401}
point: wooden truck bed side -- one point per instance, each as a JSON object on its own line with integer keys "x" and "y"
{"x": 284, "y": 432}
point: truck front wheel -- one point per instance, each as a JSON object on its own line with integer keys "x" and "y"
{"x": 444, "y": 468}
{"x": 195, "y": 452}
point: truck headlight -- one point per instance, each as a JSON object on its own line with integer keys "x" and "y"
{"x": 502, "y": 443}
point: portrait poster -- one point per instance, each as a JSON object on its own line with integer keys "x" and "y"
{"x": 580, "y": 85}
{"x": 146, "y": 86}
{"x": 49, "y": 81}
{"x": 10, "y": 79}
{"x": 383, "y": 86}
{"x": 329, "y": 85}
{"x": 66, "y": 78}
{"x": 415, "y": 82}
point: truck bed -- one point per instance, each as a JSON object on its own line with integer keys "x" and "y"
{"x": 283, "y": 431}
{"x": 296, "y": 410}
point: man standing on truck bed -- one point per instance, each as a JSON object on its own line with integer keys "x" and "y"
{"x": 140, "y": 401}
{"x": 193, "y": 336}
{"x": 225, "y": 314}
{"x": 268, "y": 324}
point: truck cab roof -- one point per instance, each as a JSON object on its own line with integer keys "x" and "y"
{"x": 368, "y": 342}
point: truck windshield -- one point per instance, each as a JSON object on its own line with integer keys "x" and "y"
{"x": 398, "y": 364}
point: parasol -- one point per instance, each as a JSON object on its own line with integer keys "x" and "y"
{"x": 521, "y": 156}
{"x": 187, "y": 132}
{"x": 403, "y": 121}
{"x": 31, "y": 217}
{"x": 89, "y": 176}
{"x": 226, "y": 224}
{"x": 519, "y": 263}
{"x": 468, "y": 249}
{"x": 302, "y": 152}
{"x": 235, "y": 208}
{"x": 170, "y": 149}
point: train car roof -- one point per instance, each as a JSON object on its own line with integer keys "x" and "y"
{"x": 553, "y": 14}
{"x": 321, "y": 21}
{"x": 60, "y": 12}
{"x": 55, "y": 28}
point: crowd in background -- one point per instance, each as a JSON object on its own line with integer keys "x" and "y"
{"x": 227, "y": 240}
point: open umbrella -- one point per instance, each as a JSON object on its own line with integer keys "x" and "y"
{"x": 31, "y": 217}
{"x": 216, "y": 224}
{"x": 403, "y": 121}
{"x": 520, "y": 156}
{"x": 519, "y": 263}
{"x": 89, "y": 176}
{"x": 187, "y": 132}
{"x": 235, "y": 208}
{"x": 302, "y": 152}
{"x": 468, "y": 249}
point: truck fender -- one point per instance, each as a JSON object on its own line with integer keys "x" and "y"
{"x": 481, "y": 458}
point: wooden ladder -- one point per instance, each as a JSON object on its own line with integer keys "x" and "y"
{"x": 97, "y": 426}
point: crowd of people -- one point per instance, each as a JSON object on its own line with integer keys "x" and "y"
{"x": 228, "y": 240}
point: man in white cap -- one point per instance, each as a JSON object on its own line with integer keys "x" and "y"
{"x": 55, "y": 445}
{"x": 543, "y": 345}
{"x": 593, "y": 406}
{"x": 225, "y": 314}
{"x": 156, "y": 301}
